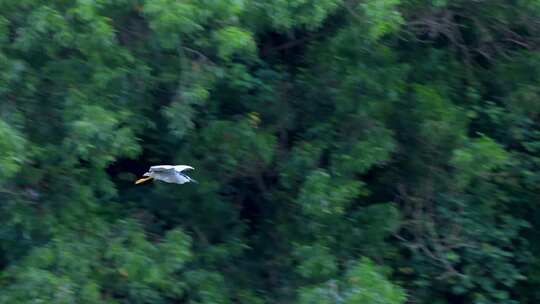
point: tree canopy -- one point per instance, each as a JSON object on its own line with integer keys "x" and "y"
{"x": 347, "y": 151}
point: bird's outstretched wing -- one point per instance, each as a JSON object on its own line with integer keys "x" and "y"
{"x": 181, "y": 168}
{"x": 161, "y": 168}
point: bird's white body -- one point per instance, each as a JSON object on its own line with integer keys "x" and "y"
{"x": 168, "y": 174}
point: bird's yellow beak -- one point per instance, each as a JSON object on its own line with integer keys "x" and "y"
{"x": 141, "y": 180}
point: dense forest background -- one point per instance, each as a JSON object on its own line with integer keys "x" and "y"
{"x": 347, "y": 151}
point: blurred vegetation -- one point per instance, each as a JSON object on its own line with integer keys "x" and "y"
{"x": 348, "y": 151}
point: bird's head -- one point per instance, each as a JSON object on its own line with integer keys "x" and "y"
{"x": 146, "y": 174}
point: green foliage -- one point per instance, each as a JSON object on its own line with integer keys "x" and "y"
{"x": 363, "y": 283}
{"x": 383, "y": 17}
{"x": 91, "y": 268}
{"x": 233, "y": 40}
{"x": 286, "y": 15}
{"x": 304, "y": 157}
{"x": 329, "y": 137}
{"x": 171, "y": 18}
{"x": 442, "y": 124}
{"x": 322, "y": 195}
{"x": 95, "y": 134}
{"x": 12, "y": 147}
{"x": 363, "y": 155}
{"x": 479, "y": 158}
{"x": 316, "y": 262}
{"x": 236, "y": 147}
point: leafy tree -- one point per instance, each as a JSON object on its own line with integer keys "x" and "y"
{"x": 347, "y": 151}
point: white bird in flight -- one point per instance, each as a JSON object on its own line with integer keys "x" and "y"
{"x": 168, "y": 174}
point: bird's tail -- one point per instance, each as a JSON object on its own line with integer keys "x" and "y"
{"x": 141, "y": 180}
{"x": 193, "y": 181}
